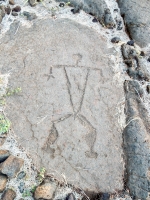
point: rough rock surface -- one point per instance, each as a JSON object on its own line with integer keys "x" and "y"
{"x": 3, "y": 182}
{"x": 137, "y": 142}
{"x": 45, "y": 191}
{"x": 137, "y": 18}
{"x": 4, "y": 154}
{"x": 97, "y": 8}
{"x": 11, "y": 166}
{"x": 65, "y": 114}
{"x": 9, "y": 194}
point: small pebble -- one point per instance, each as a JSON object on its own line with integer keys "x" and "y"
{"x": 21, "y": 175}
{"x": 148, "y": 89}
{"x": 131, "y": 42}
{"x": 8, "y": 10}
{"x": 61, "y": 5}
{"x": 75, "y": 10}
{"x": 115, "y": 10}
{"x": 14, "y": 14}
{"x": 11, "y": 2}
{"x": 142, "y": 53}
{"x": 94, "y": 20}
{"x": 16, "y": 9}
{"x": 21, "y": 187}
{"x": 115, "y": 40}
{"x": 148, "y": 59}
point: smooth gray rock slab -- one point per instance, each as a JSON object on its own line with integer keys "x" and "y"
{"x": 66, "y": 115}
{"x": 137, "y": 142}
{"x": 137, "y": 18}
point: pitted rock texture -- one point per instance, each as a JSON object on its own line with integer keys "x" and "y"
{"x": 137, "y": 142}
{"x": 66, "y": 115}
{"x": 97, "y": 8}
{"x": 137, "y": 18}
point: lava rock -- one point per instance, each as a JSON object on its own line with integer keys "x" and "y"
{"x": 8, "y": 10}
{"x": 148, "y": 89}
{"x": 9, "y": 194}
{"x": 45, "y": 191}
{"x": 148, "y": 59}
{"x": 142, "y": 53}
{"x": 119, "y": 25}
{"x": 21, "y": 187}
{"x": 4, "y": 154}
{"x": 116, "y": 10}
{"x": 108, "y": 20}
{"x": 32, "y": 2}
{"x": 16, "y": 9}
{"x": 131, "y": 42}
{"x": 105, "y": 196}
{"x": 11, "y": 166}
{"x": 30, "y": 16}
{"x": 70, "y": 197}
{"x": 21, "y": 175}
{"x": 94, "y": 20}
{"x": 14, "y": 14}
{"x": 3, "y": 182}
{"x": 61, "y": 5}
{"x": 115, "y": 40}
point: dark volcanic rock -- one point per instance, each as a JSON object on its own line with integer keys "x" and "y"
{"x": 4, "y": 154}
{"x": 9, "y": 195}
{"x": 11, "y": 166}
{"x": 115, "y": 40}
{"x": 137, "y": 17}
{"x": 136, "y": 142}
{"x": 8, "y": 10}
{"x": 16, "y": 9}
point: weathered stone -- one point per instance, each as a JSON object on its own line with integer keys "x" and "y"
{"x": 4, "y": 154}
{"x": 16, "y": 9}
{"x": 9, "y": 194}
{"x": 11, "y": 2}
{"x": 11, "y": 166}
{"x": 137, "y": 17}
{"x": 115, "y": 40}
{"x": 3, "y": 182}
{"x": 32, "y": 2}
{"x": 30, "y": 16}
{"x": 72, "y": 126}
{"x": 136, "y": 142}
{"x": 14, "y": 14}
{"x": 45, "y": 191}
{"x": 97, "y": 8}
{"x": 8, "y": 10}
{"x": 21, "y": 175}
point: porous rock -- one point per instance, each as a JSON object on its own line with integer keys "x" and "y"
{"x": 11, "y": 166}
{"x": 9, "y": 194}
{"x": 45, "y": 191}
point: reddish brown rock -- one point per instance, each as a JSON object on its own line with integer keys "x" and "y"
{"x": 16, "y": 9}
{"x": 3, "y": 182}
{"x": 9, "y": 195}
{"x": 11, "y": 166}
{"x": 45, "y": 191}
{"x": 4, "y": 154}
{"x": 11, "y": 2}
